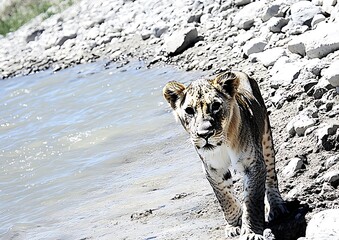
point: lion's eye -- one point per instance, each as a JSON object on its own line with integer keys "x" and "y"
{"x": 216, "y": 106}
{"x": 189, "y": 110}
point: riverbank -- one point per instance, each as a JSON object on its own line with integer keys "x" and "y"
{"x": 290, "y": 47}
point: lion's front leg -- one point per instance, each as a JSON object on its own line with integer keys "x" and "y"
{"x": 223, "y": 188}
{"x": 253, "y": 218}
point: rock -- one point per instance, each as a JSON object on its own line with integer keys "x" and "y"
{"x": 302, "y": 124}
{"x": 331, "y": 177}
{"x": 283, "y": 77}
{"x": 269, "y": 56}
{"x": 302, "y": 12}
{"x": 275, "y": 24}
{"x": 254, "y": 46}
{"x": 145, "y": 35}
{"x": 35, "y": 34}
{"x": 158, "y": 31}
{"x": 292, "y": 167}
{"x": 317, "y": 19}
{"x": 324, "y": 225}
{"x": 297, "y": 46}
{"x": 244, "y": 19}
{"x": 332, "y": 161}
{"x": 332, "y": 73}
{"x": 324, "y": 133}
{"x": 328, "y": 6}
{"x": 241, "y": 2}
{"x": 179, "y": 41}
{"x": 317, "y": 43}
{"x": 66, "y": 35}
{"x": 271, "y": 11}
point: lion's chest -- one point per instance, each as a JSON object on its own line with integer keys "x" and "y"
{"x": 219, "y": 160}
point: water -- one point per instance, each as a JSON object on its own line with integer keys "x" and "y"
{"x": 73, "y": 139}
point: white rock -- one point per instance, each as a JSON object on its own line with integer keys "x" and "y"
{"x": 332, "y": 73}
{"x": 328, "y": 6}
{"x": 244, "y": 19}
{"x": 302, "y": 12}
{"x": 317, "y": 43}
{"x": 324, "y": 225}
{"x": 255, "y": 45}
{"x": 302, "y": 123}
{"x": 283, "y": 77}
{"x": 330, "y": 177}
{"x": 269, "y": 56}
{"x": 292, "y": 167}
{"x": 181, "y": 40}
{"x": 332, "y": 161}
{"x": 275, "y": 24}
{"x": 317, "y": 19}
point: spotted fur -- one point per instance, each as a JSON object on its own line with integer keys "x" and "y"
{"x": 228, "y": 125}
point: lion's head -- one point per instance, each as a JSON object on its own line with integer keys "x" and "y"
{"x": 205, "y": 108}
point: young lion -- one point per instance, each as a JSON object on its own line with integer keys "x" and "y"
{"x": 228, "y": 125}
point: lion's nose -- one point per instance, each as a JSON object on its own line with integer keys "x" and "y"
{"x": 205, "y": 130}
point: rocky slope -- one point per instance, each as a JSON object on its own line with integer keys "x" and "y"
{"x": 291, "y": 47}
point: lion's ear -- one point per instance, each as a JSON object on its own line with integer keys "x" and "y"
{"x": 172, "y": 92}
{"x": 227, "y": 82}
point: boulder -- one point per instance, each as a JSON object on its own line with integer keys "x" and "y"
{"x": 302, "y": 123}
{"x": 181, "y": 40}
{"x": 317, "y": 19}
{"x": 332, "y": 73}
{"x": 331, "y": 161}
{"x": 254, "y": 46}
{"x": 324, "y": 225}
{"x": 64, "y": 36}
{"x": 244, "y": 19}
{"x": 302, "y": 12}
{"x": 269, "y": 56}
{"x": 283, "y": 77}
{"x": 293, "y": 166}
{"x": 275, "y": 24}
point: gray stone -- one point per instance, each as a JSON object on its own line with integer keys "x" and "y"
{"x": 269, "y": 56}
{"x": 66, "y": 35}
{"x": 331, "y": 161}
{"x": 180, "y": 40}
{"x": 332, "y": 73}
{"x": 292, "y": 167}
{"x": 331, "y": 177}
{"x": 244, "y": 19}
{"x": 302, "y": 123}
{"x": 324, "y": 225}
{"x": 297, "y": 46}
{"x": 160, "y": 30}
{"x": 271, "y": 11}
{"x": 302, "y": 12}
{"x": 317, "y": 19}
{"x": 254, "y": 46}
{"x": 324, "y": 133}
{"x": 241, "y": 2}
{"x": 275, "y": 24}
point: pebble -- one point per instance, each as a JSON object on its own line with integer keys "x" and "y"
{"x": 292, "y": 167}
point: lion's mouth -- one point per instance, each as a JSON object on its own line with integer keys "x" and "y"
{"x": 208, "y": 146}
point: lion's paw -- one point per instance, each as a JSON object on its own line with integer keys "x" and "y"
{"x": 252, "y": 236}
{"x": 231, "y": 231}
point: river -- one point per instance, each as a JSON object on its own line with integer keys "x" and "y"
{"x": 73, "y": 144}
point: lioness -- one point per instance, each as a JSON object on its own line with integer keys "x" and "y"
{"x": 228, "y": 125}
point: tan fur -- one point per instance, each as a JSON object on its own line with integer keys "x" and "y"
{"x": 228, "y": 124}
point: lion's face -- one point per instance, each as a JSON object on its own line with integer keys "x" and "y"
{"x": 204, "y": 108}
